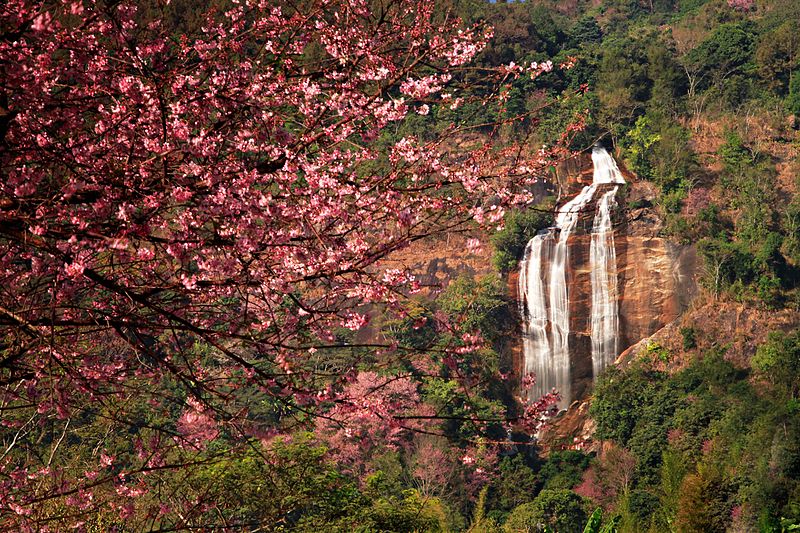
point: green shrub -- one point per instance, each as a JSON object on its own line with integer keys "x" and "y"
{"x": 689, "y": 335}
{"x": 520, "y": 227}
{"x": 562, "y": 511}
{"x": 641, "y": 203}
{"x": 656, "y": 352}
{"x": 563, "y": 469}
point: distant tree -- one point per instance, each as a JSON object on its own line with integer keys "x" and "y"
{"x": 704, "y": 504}
{"x": 563, "y": 469}
{"x": 778, "y": 362}
{"x": 728, "y": 48}
{"x": 546, "y": 27}
{"x": 622, "y": 84}
{"x": 516, "y": 483}
{"x": 793, "y": 100}
{"x": 666, "y": 74}
{"x": 586, "y": 31}
{"x": 724, "y": 264}
{"x": 561, "y": 511}
{"x": 778, "y": 56}
{"x": 520, "y": 227}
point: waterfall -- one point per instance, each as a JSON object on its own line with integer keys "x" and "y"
{"x": 547, "y": 356}
{"x": 536, "y": 345}
{"x": 544, "y": 295}
{"x": 603, "y": 263}
{"x": 605, "y": 168}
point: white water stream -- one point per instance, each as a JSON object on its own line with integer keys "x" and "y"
{"x": 603, "y": 262}
{"x": 545, "y": 295}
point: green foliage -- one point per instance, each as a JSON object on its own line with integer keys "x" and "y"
{"x": 409, "y": 514}
{"x": 290, "y": 484}
{"x": 734, "y": 153}
{"x": 416, "y": 329}
{"x": 638, "y": 142}
{"x": 586, "y": 31}
{"x": 562, "y": 511}
{"x": 568, "y": 108}
{"x": 778, "y": 362}
{"x": 689, "y": 336}
{"x": 749, "y": 262}
{"x": 622, "y": 82}
{"x": 706, "y": 442}
{"x": 656, "y": 352}
{"x": 725, "y": 263}
{"x": 673, "y": 471}
{"x": 478, "y": 305}
{"x": 595, "y": 522}
{"x": 618, "y": 398}
{"x": 657, "y": 148}
{"x": 778, "y": 56}
{"x": 668, "y": 78}
{"x": 704, "y": 504}
{"x": 793, "y": 100}
{"x": 563, "y": 469}
{"x": 728, "y": 49}
{"x": 520, "y": 227}
{"x": 790, "y": 228}
{"x": 516, "y": 484}
{"x": 480, "y": 522}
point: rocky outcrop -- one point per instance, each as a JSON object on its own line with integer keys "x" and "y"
{"x": 571, "y": 430}
{"x": 435, "y": 262}
{"x": 575, "y": 172}
{"x": 656, "y": 283}
{"x": 743, "y": 328}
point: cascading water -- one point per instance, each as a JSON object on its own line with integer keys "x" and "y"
{"x": 545, "y": 296}
{"x": 534, "y": 309}
{"x": 547, "y": 356}
{"x": 603, "y": 262}
{"x": 605, "y": 168}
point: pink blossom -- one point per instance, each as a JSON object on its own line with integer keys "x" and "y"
{"x": 42, "y": 22}
{"x": 742, "y": 5}
{"x": 196, "y": 425}
{"x": 474, "y": 246}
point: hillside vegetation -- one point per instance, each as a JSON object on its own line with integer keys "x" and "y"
{"x": 414, "y": 424}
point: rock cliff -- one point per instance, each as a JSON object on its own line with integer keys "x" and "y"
{"x": 656, "y": 279}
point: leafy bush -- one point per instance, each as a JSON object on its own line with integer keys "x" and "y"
{"x": 689, "y": 335}
{"x": 563, "y": 469}
{"x": 516, "y": 484}
{"x": 778, "y": 361}
{"x": 641, "y": 203}
{"x": 618, "y": 399}
{"x": 562, "y": 511}
{"x": 656, "y": 352}
{"x": 477, "y": 305}
{"x": 520, "y": 227}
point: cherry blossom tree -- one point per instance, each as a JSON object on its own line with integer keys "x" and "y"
{"x": 189, "y": 218}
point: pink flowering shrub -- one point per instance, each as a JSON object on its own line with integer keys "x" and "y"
{"x": 369, "y": 415}
{"x": 742, "y": 5}
{"x": 196, "y": 425}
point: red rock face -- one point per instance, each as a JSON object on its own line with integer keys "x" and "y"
{"x": 656, "y": 284}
